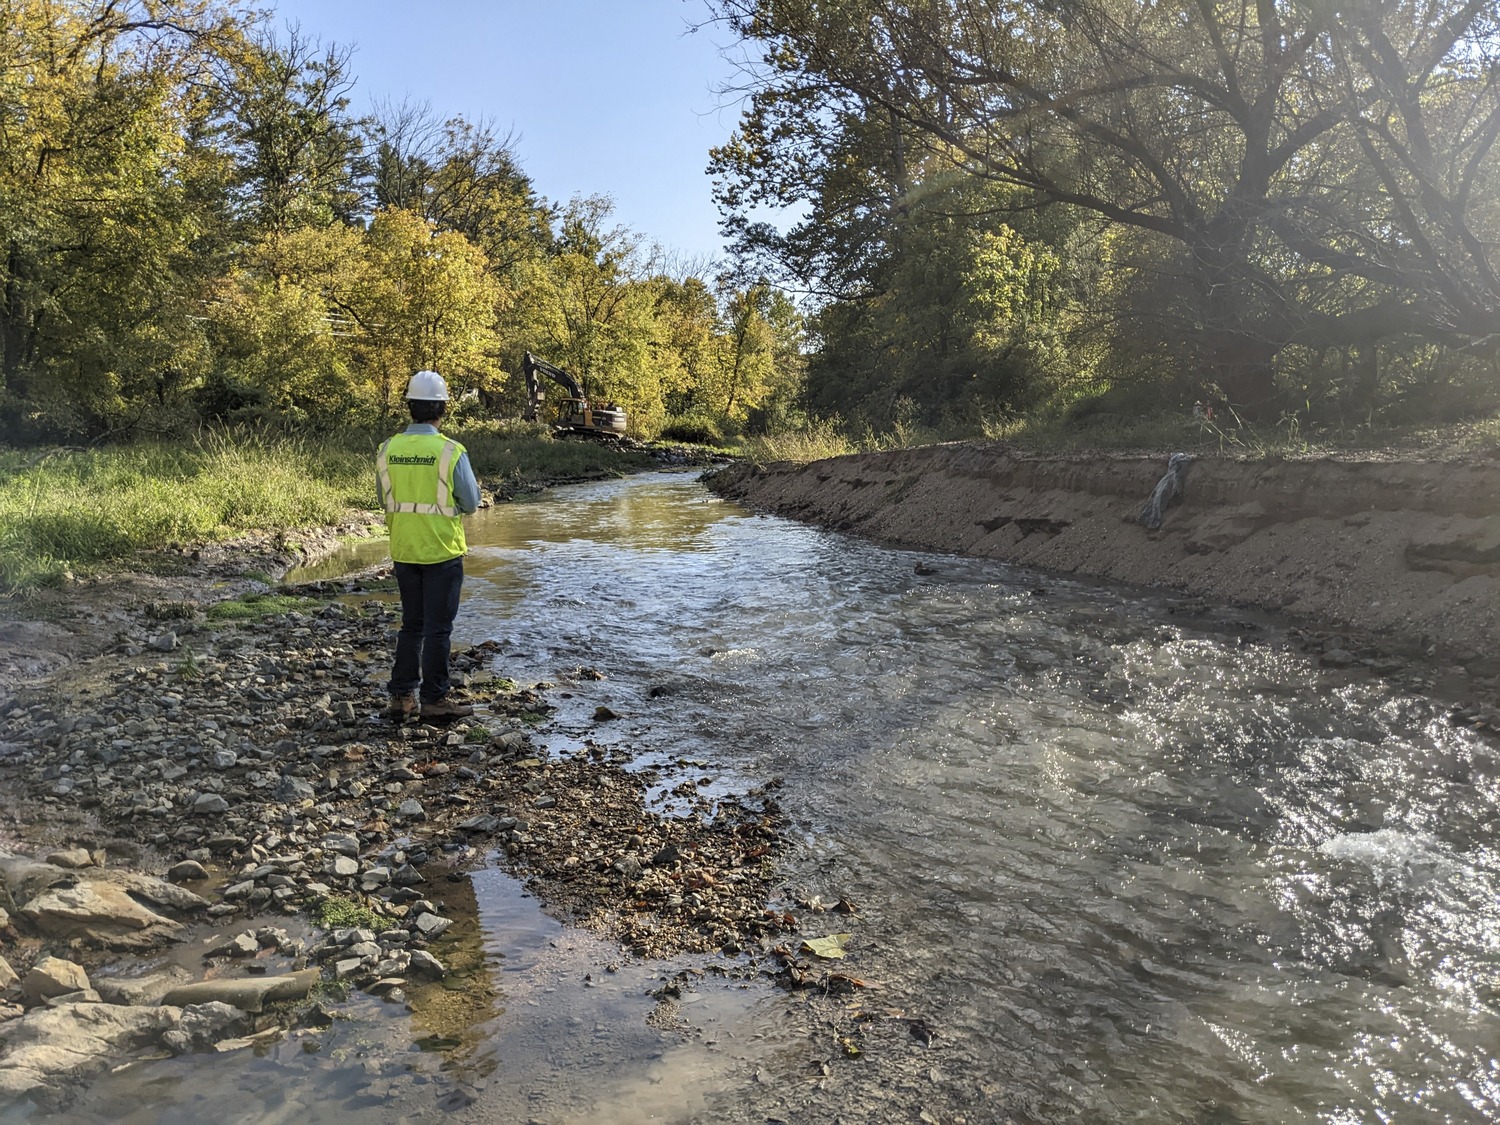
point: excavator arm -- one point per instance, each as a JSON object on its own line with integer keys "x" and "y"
{"x": 531, "y": 368}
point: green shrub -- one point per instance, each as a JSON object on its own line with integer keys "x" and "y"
{"x": 693, "y": 429}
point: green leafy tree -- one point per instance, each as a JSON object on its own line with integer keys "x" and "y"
{"x": 100, "y": 208}
{"x": 1323, "y": 175}
{"x": 591, "y": 307}
{"x": 422, "y": 299}
{"x": 297, "y": 150}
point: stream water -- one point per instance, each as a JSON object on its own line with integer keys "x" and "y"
{"x": 1117, "y": 856}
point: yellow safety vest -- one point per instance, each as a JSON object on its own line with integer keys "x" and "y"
{"x": 416, "y": 479}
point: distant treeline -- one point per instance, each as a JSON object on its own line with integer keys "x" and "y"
{"x": 1094, "y": 206}
{"x": 195, "y": 226}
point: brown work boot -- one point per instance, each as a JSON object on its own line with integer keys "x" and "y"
{"x": 446, "y": 708}
{"x": 402, "y": 707}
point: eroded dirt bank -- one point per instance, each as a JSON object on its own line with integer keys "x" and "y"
{"x": 1405, "y": 554}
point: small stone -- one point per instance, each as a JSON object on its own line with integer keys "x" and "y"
{"x": 82, "y": 996}
{"x": 293, "y": 789}
{"x": 241, "y": 945}
{"x": 425, "y": 964}
{"x": 430, "y": 925}
{"x": 247, "y": 994}
{"x": 145, "y": 990}
{"x": 393, "y": 966}
{"x": 481, "y": 824}
{"x": 188, "y": 871}
{"x": 411, "y": 810}
{"x": 204, "y": 1024}
{"x": 628, "y": 867}
{"x": 164, "y": 642}
{"x": 208, "y": 804}
{"x": 8, "y": 977}
{"x": 52, "y": 976}
{"x": 223, "y": 759}
{"x": 320, "y": 1014}
{"x": 342, "y": 843}
{"x": 70, "y": 857}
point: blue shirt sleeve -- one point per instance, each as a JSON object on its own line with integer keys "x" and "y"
{"x": 465, "y": 487}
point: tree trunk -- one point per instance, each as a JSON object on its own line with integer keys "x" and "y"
{"x": 1242, "y": 364}
{"x": 15, "y": 328}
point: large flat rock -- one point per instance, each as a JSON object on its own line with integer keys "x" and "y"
{"x": 249, "y": 994}
{"x": 42, "y": 1053}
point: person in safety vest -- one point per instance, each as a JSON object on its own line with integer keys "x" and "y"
{"x": 426, "y": 485}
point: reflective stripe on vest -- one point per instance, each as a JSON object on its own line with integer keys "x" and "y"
{"x": 444, "y": 484}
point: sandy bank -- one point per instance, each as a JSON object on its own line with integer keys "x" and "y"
{"x": 1404, "y": 553}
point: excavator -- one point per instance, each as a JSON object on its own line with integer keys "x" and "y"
{"x": 574, "y": 414}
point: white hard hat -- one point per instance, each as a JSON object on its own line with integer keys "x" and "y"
{"x": 427, "y": 385}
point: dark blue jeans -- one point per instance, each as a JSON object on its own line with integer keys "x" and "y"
{"x": 429, "y": 603}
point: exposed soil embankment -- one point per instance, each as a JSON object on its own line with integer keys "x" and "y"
{"x": 1405, "y": 552}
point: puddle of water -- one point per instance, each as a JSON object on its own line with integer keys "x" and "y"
{"x": 354, "y": 555}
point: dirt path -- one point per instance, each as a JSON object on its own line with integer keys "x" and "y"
{"x": 1398, "y": 555}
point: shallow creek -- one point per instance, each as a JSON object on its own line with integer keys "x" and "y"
{"x": 1116, "y": 856}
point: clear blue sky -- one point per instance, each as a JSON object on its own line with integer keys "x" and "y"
{"x": 610, "y": 97}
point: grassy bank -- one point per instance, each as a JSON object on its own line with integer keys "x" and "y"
{"x": 71, "y": 510}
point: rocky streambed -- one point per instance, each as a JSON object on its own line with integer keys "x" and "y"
{"x": 208, "y": 776}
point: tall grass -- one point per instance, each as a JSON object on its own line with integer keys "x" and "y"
{"x": 1055, "y": 434}
{"x": 812, "y": 442}
{"x": 71, "y": 509}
